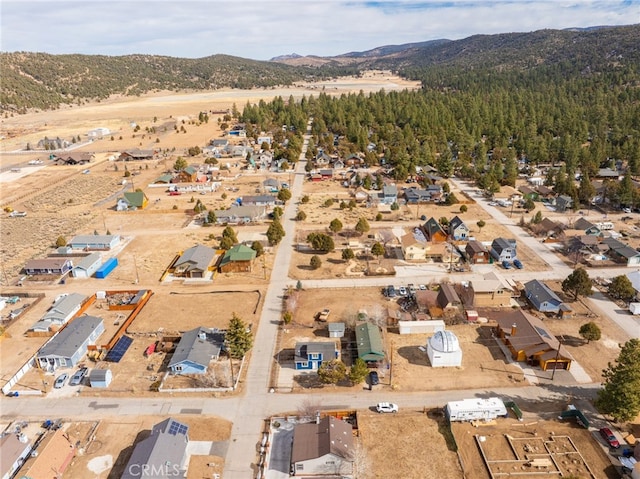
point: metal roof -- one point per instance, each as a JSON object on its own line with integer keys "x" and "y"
{"x": 329, "y": 436}
{"x": 193, "y": 348}
{"x": 369, "y": 342}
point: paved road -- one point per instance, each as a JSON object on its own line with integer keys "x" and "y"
{"x": 250, "y": 410}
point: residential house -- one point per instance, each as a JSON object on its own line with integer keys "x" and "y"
{"x": 70, "y": 345}
{"x": 264, "y": 139}
{"x": 389, "y": 194}
{"x": 413, "y": 249}
{"x": 271, "y": 185}
{"x": 528, "y": 339}
{"x": 563, "y": 203}
{"x": 338, "y": 164}
{"x": 220, "y": 143}
{"x": 164, "y": 179}
{"x": 136, "y": 155}
{"x": 164, "y": 452}
{"x": 448, "y": 298}
{"x": 476, "y": 252}
{"x": 528, "y": 193}
{"x": 507, "y": 193}
{"x": 354, "y": 160}
{"x": 60, "y": 313}
{"x": 548, "y": 227}
{"x": 309, "y": 356}
{"x": 415, "y": 195}
{"x": 94, "y": 242}
{"x": 132, "y": 200}
{"x": 187, "y": 175}
{"x": 13, "y": 453}
{"x": 74, "y": 159}
{"x": 322, "y": 159}
{"x": 98, "y": 132}
{"x": 608, "y": 173}
{"x": 238, "y": 259}
{"x": 326, "y": 174}
{"x": 436, "y": 192}
{"x": 622, "y": 252}
{"x": 489, "y": 292}
{"x": 361, "y": 195}
{"x": 503, "y": 249}
{"x": 55, "y": 452}
{"x": 369, "y": 342}
{"x": 259, "y": 200}
{"x": 458, "y": 230}
{"x": 53, "y": 266}
{"x": 433, "y": 231}
{"x": 195, "y": 350}
{"x": 443, "y": 253}
{"x": 324, "y": 448}
{"x": 241, "y": 214}
{"x": 194, "y": 262}
{"x": 586, "y": 227}
{"x": 542, "y": 298}
{"x": 87, "y": 265}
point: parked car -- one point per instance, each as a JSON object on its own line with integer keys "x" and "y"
{"x": 391, "y": 291}
{"x": 384, "y": 407}
{"x": 423, "y": 287}
{"x": 374, "y": 380}
{"x": 506, "y": 264}
{"x": 60, "y": 380}
{"x": 402, "y": 291}
{"x": 175, "y": 193}
{"x": 626, "y": 210}
{"x": 78, "y": 376}
{"x": 518, "y": 264}
{"x": 609, "y": 438}
{"x": 412, "y": 288}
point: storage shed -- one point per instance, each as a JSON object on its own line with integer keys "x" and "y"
{"x": 421, "y": 327}
{"x": 100, "y": 378}
{"x": 443, "y": 349}
{"x": 87, "y": 266}
{"x": 336, "y": 330}
{"x": 108, "y": 266}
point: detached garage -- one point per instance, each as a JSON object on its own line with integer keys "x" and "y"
{"x": 444, "y": 350}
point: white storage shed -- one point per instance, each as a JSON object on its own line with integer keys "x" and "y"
{"x": 421, "y": 327}
{"x": 100, "y": 378}
{"x": 634, "y": 308}
{"x": 443, "y": 349}
{"x": 476, "y": 409}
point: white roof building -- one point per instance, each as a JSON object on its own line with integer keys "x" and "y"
{"x": 443, "y": 350}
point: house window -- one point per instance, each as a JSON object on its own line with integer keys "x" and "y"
{"x": 303, "y": 364}
{"x": 314, "y": 356}
{"x": 177, "y": 368}
{"x": 299, "y": 467}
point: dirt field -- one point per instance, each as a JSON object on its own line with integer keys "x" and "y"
{"x": 419, "y": 447}
{"x": 571, "y": 448}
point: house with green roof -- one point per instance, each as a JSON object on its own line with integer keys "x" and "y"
{"x": 132, "y": 200}
{"x": 188, "y": 175}
{"x": 238, "y": 259}
{"x": 369, "y": 342}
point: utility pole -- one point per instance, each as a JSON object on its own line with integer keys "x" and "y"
{"x": 555, "y": 364}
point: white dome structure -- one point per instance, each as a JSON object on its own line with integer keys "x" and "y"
{"x": 443, "y": 350}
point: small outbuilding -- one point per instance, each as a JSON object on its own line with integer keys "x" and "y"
{"x": 100, "y": 378}
{"x": 443, "y": 349}
{"x": 87, "y": 266}
{"x": 336, "y": 330}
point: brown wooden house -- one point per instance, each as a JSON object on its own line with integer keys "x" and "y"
{"x": 238, "y": 259}
{"x": 476, "y": 252}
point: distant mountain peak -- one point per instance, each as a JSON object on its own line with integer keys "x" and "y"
{"x": 291, "y": 56}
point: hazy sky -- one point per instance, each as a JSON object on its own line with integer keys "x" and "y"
{"x": 261, "y": 29}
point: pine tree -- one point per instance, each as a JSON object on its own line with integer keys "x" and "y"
{"x": 578, "y": 283}
{"x": 358, "y": 371}
{"x": 620, "y": 393}
{"x": 238, "y": 338}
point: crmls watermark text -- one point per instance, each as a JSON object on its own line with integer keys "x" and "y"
{"x": 154, "y": 470}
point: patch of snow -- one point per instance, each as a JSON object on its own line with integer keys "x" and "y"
{"x": 100, "y": 464}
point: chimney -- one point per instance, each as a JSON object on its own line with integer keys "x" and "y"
{"x": 317, "y": 417}
{"x": 514, "y": 328}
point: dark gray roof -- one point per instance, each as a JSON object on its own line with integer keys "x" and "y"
{"x": 162, "y": 451}
{"x": 66, "y": 342}
{"x": 582, "y": 224}
{"x": 327, "y": 349}
{"x": 192, "y": 347}
{"x": 431, "y": 227}
{"x": 500, "y": 244}
{"x": 448, "y": 296}
{"x": 455, "y": 222}
{"x": 541, "y": 292}
{"x": 247, "y": 200}
{"x": 197, "y": 257}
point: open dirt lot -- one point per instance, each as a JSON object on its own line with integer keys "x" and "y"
{"x": 409, "y": 444}
{"x": 571, "y": 449}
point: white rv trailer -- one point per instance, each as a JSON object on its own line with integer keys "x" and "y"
{"x": 475, "y": 409}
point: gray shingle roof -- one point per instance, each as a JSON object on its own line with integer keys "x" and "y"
{"x": 330, "y": 435}
{"x": 197, "y": 350}
{"x": 197, "y": 257}
{"x": 327, "y": 349}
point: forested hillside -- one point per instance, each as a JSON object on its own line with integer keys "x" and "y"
{"x": 43, "y": 81}
{"x": 485, "y": 122}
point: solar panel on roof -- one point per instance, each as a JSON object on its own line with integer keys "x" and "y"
{"x": 176, "y": 428}
{"x": 542, "y": 332}
{"x": 115, "y": 354}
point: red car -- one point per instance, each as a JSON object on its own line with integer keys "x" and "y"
{"x": 174, "y": 193}
{"x": 609, "y": 438}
